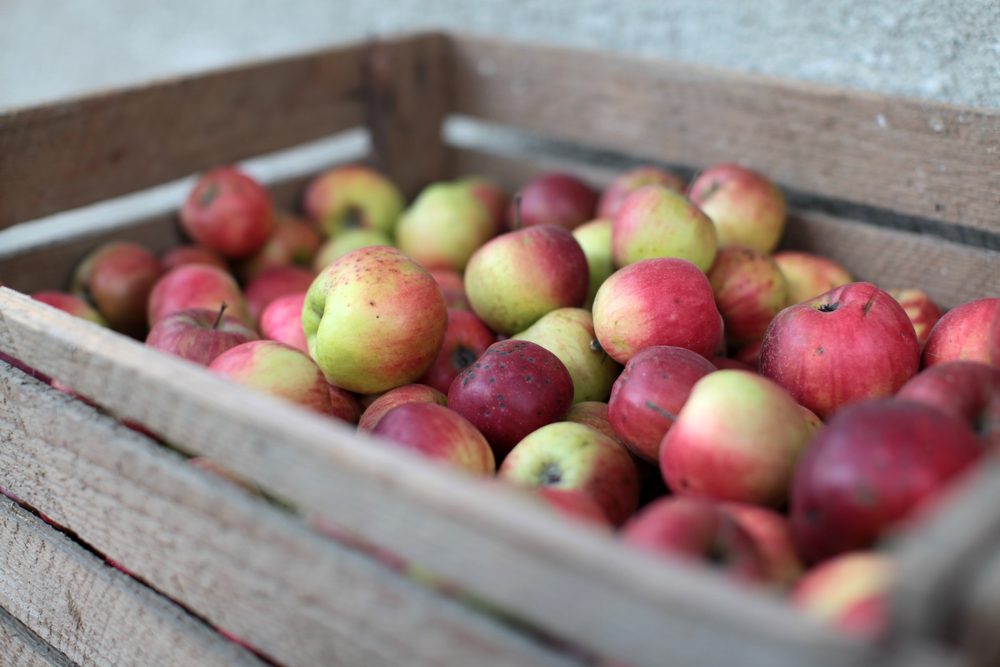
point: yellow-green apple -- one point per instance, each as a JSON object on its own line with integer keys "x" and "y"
{"x": 228, "y": 212}
{"x": 593, "y": 414}
{"x": 515, "y": 388}
{"x": 568, "y": 333}
{"x": 552, "y": 199}
{"x": 282, "y": 321}
{"x": 272, "y": 283}
{"x": 374, "y": 320}
{"x": 344, "y": 405}
{"x": 772, "y": 533}
{"x": 749, "y": 291}
{"x": 873, "y": 465}
{"x": 594, "y": 238}
{"x": 517, "y": 277}
{"x": 968, "y": 390}
{"x": 738, "y": 437}
{"x": 633, "y": 179}
{"x": 852, "y": 343}
{"x": 649, "y": 394}
{"x": 849, "y": 592}
{"x": 198, "y": 334}
{"x": 663, "y": 301}
{"x": 567, "y": 455}
{"x": 410, "y": 393}
{"x": 491, "y": 196}
{"x": 444, "y": 226}
{"x": 655, "y": 221}
{"x": 437, "y": 433}
{"x": 347, "y": 241}
{"x": 747, "y": 209}
{"x": 117, "y": 278}
{"x": 191, "y": 254}
{"x": 71, "y": 304}
{"x": 196, "y": 286}
{"x": 810, "y": 275}
{"x": 695, "y": 530}
{"x": 279, "y": 370}
{"x": 465, "y": 340}
{"x": 452, "y": 287}
{"x": 920, "y": 308}
{"x": 353, "y": 196}
{"x": 966, "y": 332}
{"x": 293, "y": 242}
{"x": 573, "y": 504}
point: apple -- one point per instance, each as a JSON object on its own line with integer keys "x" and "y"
{"x": 228, "y": 212}
{"x": 374, "y": 295}
{"x": 567, "y": 455}
{"x": 725, "y": 363}
{"x": 516, "y": 387}
{"x": 568, "y": 333}
{"x": 444, "y": 226}
{"x": 749, "y": 354}
{"x": 452, "y": 287}
{"x": 625, "y": 184}
{"x": 491, "y": 196}
{"x": 410, "y": 393}
{"x": 553, "y": 198}
{"x": 517, "y": 277}
{"x": 347, "y": 241}
{"x": 594, "y": 238}
{"x": 771, "y": 532}
{"x": 593, "y": 414}
{"x": 191, "y": 254}
{"x": 695, "y": 530}
{"x": 465, "y": 340}
{"x": 353, "y": 196}
{"x": 293, "y": 242}
{"x": 277, "y": 369}
{"x": 852, "y": 343}
{"x": 849, "y": 592}
{"x": 966, "y": 332}
{"x": 573, "y": 504}
{"x": 872, "y": 466}
{"x": 663, "y": 301}
{"x": 273, "y": 283}
{"x": 920, "y": 308}
{"x": 749, "y": 291}
{"x": 282, "y": 321}
{"x": 344, "y": 405}
{"x": 196, "y": 286}
{"x": 810, "y": 275}
{"x": 650, "y": 392}
{"x": 655, "y": 221}
{"x": 439, "y": 434}
{"x": 198, "y": 334}
{"x": 747, "y": 209}
{"x": 967, "y": 390}
{"x": 738, "y": 437}
{"x": 117, "y": 278}
{"x": 68, "y": 303}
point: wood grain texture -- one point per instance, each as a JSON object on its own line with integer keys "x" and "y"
{"x": 977, "y": 633}
{"x": 66, "y": 155}
{"x": 576, "y": 582}
{"x": 409, "y": 94}
{"x": 20, "y": 647}
{"x": 917, "y": 157}
{"x": 244, "y": 565}
{"x": 91, "y": 612}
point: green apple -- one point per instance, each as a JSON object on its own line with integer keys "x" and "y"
{"x": 655, "y": 221}
{"x": 444, "y": 226}
{"x": 347, "y": 241}
{"x": 595, "y": 239}
{"x": 353, "y": 196}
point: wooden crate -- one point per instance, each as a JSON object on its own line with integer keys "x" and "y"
{"x": 902, "y": 192}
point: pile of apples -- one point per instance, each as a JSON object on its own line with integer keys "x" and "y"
{"x": 639, "y": 359}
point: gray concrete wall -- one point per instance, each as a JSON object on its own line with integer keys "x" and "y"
{"x": 937, "y": 49}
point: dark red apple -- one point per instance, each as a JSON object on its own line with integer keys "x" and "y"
{"x": 968, "y": 390}
{"x": 465, "y": 340}
{"x": 553, "y": 199}
{"x": 198, "y": 334}
{"x": 117, "y": 279}
{"x": 452, "y": 287}
{"x": 228, "y": 212}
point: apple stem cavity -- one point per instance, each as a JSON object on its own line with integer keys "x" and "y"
{"x": 829, "y": 307}
{"x": 551, "y": 475}
{"x": 218, "y": 318}
{"x": 353, "y": 217}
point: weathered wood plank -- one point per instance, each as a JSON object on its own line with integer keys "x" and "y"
{"x": 577, "y": 583}
{"x": 241, "y": 563}
{"x": 977, "y": 631}
{"x": 90, "y": 612}
{"x": 20, "y": 647}
{"x": 917, "y": 157}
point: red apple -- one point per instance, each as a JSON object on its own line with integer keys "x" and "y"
{"x": 344, "y": 405}
{"x": 410, "y": 393}
{"x": 228, "y": 212}
{"x": 749, "y": 291}
{"x": 771, "y": 532}
{"x": 967, "y": 390}
{"x": 553, "y": 199}
{"x": 593, "y": 414}
{"x": 198, "y": 334}
{"x": 872, "y": 466}
{"x": 465, "y": 340}
{"x": 196, "y": 286}
{"x": 648, "y": 395}
{"x": 573, "y": 504}
{"x": 452, "y": 287}
{"x": 282, "y": 321}
{"x": 852, "y": 343}
{"x": 273, "y": 283}
{"x": 663, "y": 301}
{"x": 117, "y": 279}
{"x": 749, "y": 354}
{"x": 191, "y": 254}
{"x": 747, "y": 209}
{"x": 491, "y": 196}
{"x": 849, "y": 592}
{"x": 633, "y": 179}
{"x": 655, "y": 221}
{"x": 68, "y": 303}
{"x": 437, "y": 433}
{"x": 352, "y": 197}
{"x": 920, "y": 308}
{"x": 293, "y": 242}
{"x": 725, "y": 363}
{"x": 810, "y": 275}
{"x": 966, "y": 332}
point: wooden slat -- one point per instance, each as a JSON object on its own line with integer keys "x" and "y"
{"x": 917, "y": 157}
{"x": 576, "y": 582}
{"x": 20, "y": 647}
{"x": 65, "y": 155}
{"x": 92, "y": 613}
{"x": 981, "y": 615}
{"x": 241, "y": 563}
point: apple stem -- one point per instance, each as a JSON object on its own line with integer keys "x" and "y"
{"x": 218, "y": 319}
{"x": 517, "y": 211}
{"x": 595, "y": 346}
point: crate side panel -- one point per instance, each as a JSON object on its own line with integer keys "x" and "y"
{"x": 20, "y": 647}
